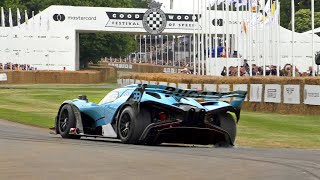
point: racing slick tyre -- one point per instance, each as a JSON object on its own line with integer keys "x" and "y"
{"x": 130, "y": 126}
{"x": 228, "y": 124}
{"x": 67, "y": 121}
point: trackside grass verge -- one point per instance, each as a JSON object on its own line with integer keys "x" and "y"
{"x": 38, "y": 107}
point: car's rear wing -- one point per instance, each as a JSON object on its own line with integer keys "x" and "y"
{"x": 236, "y": 96}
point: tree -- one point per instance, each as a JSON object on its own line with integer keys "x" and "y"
{"x": 95, "y": 46}
{"x": 303, "y": 20}
{"x": 301, "y": 4}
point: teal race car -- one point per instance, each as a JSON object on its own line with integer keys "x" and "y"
{"x": 154, "y": 114}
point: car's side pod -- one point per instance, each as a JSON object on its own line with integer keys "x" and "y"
{"x": 77, "y": 114}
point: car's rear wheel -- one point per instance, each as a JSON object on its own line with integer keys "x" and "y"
{"x": 67, "y": 121}
{"x": 130, "y": 126}
{"x": 227, "y": 123}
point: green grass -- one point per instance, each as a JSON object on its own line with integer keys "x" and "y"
{"x": 275, "y": 130}
{"x": 38, "y": 107}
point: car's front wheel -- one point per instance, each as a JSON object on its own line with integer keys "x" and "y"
{"x": 66, "y": 121}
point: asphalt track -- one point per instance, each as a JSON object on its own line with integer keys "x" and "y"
{"x": 32, "y": 153}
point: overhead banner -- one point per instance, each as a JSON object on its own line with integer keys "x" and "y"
{"x": 3, "y": 77}
{"x": 312, "y": 94}
{"x": 255, "y": 92}
{"x": 272, "y": 93}
{"x": 291, "y": 94}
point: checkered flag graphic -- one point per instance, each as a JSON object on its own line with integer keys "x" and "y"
{"x": 154, "y": 21}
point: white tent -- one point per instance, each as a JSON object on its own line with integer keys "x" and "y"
{"x": 316, "y": 31}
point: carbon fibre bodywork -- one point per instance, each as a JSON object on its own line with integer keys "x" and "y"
{"x": 190, "y": 116}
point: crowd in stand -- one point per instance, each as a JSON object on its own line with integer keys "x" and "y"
{"x": 271, "y": 70}
{"x": 15, "y": 67}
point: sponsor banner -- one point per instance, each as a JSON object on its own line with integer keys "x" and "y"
{"x": 210, "y": 87}
{"x": 170, "y": 70}
{"x": 197, "y": 87}
{"x": 272, "y": 93}
{"x": 241, "y": 87}
{"x": 312, "y": 94}
{"x": 224, "y": 88}
{"x": 138, "y": 81}
{"x": 121, "y": 66}
{"x": 153, "y": 82}
{"x": 173, "y": 85}
{"x": 3, "y": 77}
{"x": 131, "y": 81}
{"x": 291, "y": 94}
{"x": 120, "y": 82}
{"x": 48, "y": 50}
{"x": 163, "y": 83}
{"x": 255, "y": 92}
{"x": 145, "y": 82}
{"x": 183, "y": 86}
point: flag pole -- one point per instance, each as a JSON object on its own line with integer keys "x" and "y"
{"x": 140, "y": 41}
{"x": 312, "y": 27}
{"x": 202, "y": 37}
{"x": 216, "y": 39}
{"x": 173, "y": 51}
{"x": 278, "y": 37}
{"x": 18, "y": 18}
{"x": 27, "y": 27}
{"x": 238, "y": 38}
{"x": 167, "y": 50}
{"x": 162, "y": 58}
{"x": 3, "y": 23}
{"x": 179, "y": 53}
{"x": 199, "y": 34}
{"x": 227, "y": 36}
{"x": 205, "y": 45}
{"x": 210, "y": 39}
{"x": 10, "y": 18}
{"x": 145, "y": 48}
{"x": 184, "y": 50}
{"x": 150, "y": 51}
{"x": 243, "y": 33}
{"x": 156, "y": 44}
{"x": 258, "y": 36}
{"x": 293, "y": 31}
{"x": 250, "y": 29}
{"x": 247, "y": 35}
{"x": 264, "y": 39}
{"x": 190, "y": 48}
{"x": 194, "y": 38}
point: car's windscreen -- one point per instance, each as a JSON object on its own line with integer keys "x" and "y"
{"x": 112, "y": 96}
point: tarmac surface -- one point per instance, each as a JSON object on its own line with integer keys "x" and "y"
{"x": 32, "y": 153}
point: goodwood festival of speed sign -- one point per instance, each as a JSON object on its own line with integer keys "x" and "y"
{"x": 154, "y": 20}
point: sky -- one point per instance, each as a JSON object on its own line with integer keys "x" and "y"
{"x": 177, "y": 4}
